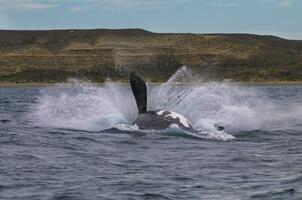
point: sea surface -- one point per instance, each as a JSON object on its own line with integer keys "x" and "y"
{"x": 76, "y": 141}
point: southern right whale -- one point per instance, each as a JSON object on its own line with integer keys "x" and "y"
{"x": 158, "y": 119}
{"x": 154, "y": 120}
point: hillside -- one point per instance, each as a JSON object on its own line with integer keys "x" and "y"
{"x": 54, "y": 56}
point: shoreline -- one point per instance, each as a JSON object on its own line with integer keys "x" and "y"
{"x": 286, "y": 83}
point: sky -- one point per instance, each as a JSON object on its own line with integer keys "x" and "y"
{"x": 282, "y": 18}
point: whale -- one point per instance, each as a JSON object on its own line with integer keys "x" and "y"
{"x": 154, "y": 119}
{"x": 157, "y": 119}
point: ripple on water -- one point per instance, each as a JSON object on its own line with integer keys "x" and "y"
{"x": 280, "y": 194}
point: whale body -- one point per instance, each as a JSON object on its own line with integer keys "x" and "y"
{"x": 162, "y": 119}
{"x": 158, "y": 119}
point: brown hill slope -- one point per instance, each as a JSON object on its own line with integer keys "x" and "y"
{"x": 51, "y": 56}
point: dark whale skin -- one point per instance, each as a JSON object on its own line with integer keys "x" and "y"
{"x": 150, "y": 120}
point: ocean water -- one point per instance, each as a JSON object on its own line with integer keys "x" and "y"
{"x": 76, "y": 141}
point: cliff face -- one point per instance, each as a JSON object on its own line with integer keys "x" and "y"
{"x": 51, "y": 56}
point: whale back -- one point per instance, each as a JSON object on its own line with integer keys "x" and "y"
{"x": 139, "y": 90}
{"x": 162, "y": 119}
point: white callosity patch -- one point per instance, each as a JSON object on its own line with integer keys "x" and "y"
{"x": 175, "y": 115}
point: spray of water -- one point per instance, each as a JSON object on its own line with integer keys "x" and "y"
{"x": 84, "y": 106}
{"x": 87, "y": 106}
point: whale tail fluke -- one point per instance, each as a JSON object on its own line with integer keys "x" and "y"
{"x": 139, "y": 90}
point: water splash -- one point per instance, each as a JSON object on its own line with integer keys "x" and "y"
{"x": 87, "y": 106}
{"x": 237, "y": 107}
{"x": 84, "y": 106}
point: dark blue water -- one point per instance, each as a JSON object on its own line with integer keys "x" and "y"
{"x": 57, "y": 157}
